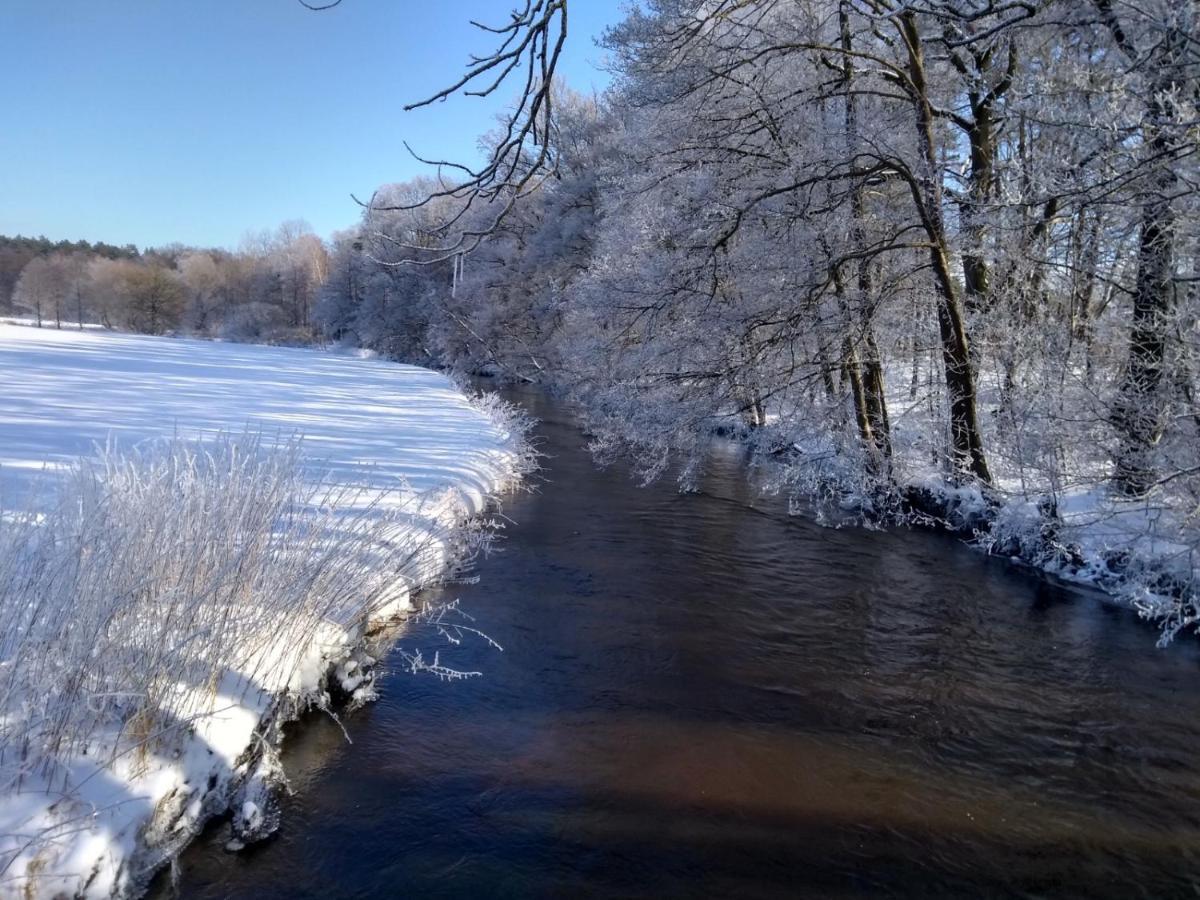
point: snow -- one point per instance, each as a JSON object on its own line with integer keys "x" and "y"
{"x": 67, "y": 391}
{"x": 402, "y": 437}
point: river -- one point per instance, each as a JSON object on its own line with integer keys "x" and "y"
{"x": 702, "y": 696}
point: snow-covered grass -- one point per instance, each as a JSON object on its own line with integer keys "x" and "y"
{"x": 169, "y": 599}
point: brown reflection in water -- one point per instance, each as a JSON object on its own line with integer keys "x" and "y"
{"x": 773, "y": 774}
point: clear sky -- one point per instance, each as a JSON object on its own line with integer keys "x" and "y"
{"x": 153, "y": 121}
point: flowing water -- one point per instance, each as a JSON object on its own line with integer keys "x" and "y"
{"x": 701, "y": 696}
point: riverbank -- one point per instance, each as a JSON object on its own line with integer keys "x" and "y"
{"x": 1139, "y": 551}
{"x": 171, "y": 601}
{"x": 1065, "y": 520}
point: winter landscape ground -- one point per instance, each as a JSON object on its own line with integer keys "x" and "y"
{"x": 198, "y": 539}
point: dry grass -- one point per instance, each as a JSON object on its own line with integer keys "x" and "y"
{"x": 157, "y": 575}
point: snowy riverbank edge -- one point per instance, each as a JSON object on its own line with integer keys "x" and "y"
{"x": 120, "y": 824}
{"x": 1139, "y": 553}
{"x": 1080, "y": 541}
{"x": 1097, "y": 544}
{"x": 229, "y": 765}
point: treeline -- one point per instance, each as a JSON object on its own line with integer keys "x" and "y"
{"x": 264, "y": 291}
{"x": 16, "y": 253}
{"x": 786, "y": 206}
{"x": 902, "y": 243}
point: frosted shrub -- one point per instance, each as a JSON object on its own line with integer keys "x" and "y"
{"x": 1175, "y": 614}
{"x": 169, "y": 581}
{"x": 253, "y": 322}
{"x": 513, "y": 423}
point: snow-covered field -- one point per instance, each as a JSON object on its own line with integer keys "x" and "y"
{"x": 401, "y": 447}
{"x": 67, "y": 391}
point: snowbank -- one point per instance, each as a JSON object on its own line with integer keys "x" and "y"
{"x": 157, "y": 734}
{"x": 1051, "y": 506}
{"x": 1139, "y": 551}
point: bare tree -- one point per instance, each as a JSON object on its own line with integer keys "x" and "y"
{"x": 43, "y": 288}
{"x": 528, "y": 50}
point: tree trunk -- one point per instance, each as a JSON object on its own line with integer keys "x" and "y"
{"x": 1140, "y": 412}
{"x": 870, "y": 399}
{"x": 966, "y": 442}
{"x": 1085, "y": 281}
{"x": 852, "y": 373}
{"x": 982, "y": 141}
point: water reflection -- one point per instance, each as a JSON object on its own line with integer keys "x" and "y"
{"x": 702, "y": 696}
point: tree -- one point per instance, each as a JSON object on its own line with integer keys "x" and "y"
{"x": 43, "y": 288}
{"x": 302, "y": 262}
{"x": 154, "y": 300}
{"x": 205, "y": 283}
{"x": 142, "y": 297}
{"x": 109, "y": 287}
{"x": 341, "y": 293}
{"x": 1160, "y": 42}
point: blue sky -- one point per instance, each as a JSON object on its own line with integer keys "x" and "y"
{"x": 152, "y": 121}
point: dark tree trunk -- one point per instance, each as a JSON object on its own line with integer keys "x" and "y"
{"x": 966, "y": 442}
{"x": 869, "y": 391}
{"x": 1140, "y": 412}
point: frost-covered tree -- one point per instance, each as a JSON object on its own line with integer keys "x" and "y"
{"x": 205, "y": 282}
{"x": 506, "y": 308}
{"x": 900, "y": 246}
{"x": 341, "y": 294}
{"x": 146, "y": 297}
{"x": 44, "y": 288}
{"x": 301, "y": 261}
{"x": 154, "y": 299}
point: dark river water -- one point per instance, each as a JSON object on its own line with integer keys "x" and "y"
{"x": 701, "y": 696}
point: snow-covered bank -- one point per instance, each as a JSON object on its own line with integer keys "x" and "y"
{"x": 1061, "y": 517}
{"x": 168, "y": 607}
{"x": 1139, "y": 551}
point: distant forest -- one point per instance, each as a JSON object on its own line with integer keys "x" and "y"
{"x": 263, "y": 291}
{"x": 16, "y": 252}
